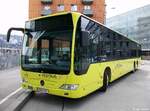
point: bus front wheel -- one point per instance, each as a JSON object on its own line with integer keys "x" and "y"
{"x": 106, "y": 79}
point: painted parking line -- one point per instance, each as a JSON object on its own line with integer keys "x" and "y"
{"x": 7, "y": 97}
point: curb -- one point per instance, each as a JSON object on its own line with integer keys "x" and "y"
{"x": 17, "y": 101}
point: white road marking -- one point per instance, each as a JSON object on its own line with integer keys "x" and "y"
{"x": 7, "y": 97}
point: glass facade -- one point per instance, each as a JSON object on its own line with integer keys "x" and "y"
{"x": 134, "y": 24}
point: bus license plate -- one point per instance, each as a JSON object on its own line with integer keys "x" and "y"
{"x": 42, "y": 90}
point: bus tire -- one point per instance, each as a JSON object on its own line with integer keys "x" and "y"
{"x": 106, "y": 79}
{"x": 137, "y": 65}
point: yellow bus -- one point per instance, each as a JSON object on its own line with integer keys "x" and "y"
{"x": 71, "y": 55}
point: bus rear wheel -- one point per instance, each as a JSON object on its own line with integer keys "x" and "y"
{"x": 105, "y": 80}
{"x": 137, "y": 65}
{"x": 134, "y": 67}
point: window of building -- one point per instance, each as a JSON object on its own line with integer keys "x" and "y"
{"x": 46, "y": 7}
{"x": 61, "y": 7}
{"x": 74, "y": 7}
{"x": 87, "y": 7}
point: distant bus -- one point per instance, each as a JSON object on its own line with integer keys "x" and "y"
{"x": 71, "y": 55}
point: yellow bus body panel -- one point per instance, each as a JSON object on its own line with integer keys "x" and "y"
{"x": 88, "y": 82}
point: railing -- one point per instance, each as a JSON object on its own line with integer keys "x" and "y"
{"x": 87, "y": 2}
{"x": 9, "y": 58}
{"x": 46, "y": 1}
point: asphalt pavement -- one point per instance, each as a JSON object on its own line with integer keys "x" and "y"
{"x": 9, "y": 81}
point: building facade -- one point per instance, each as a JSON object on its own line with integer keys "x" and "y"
{"x": 135, "y": 24}
{"x": 92, "y": 8}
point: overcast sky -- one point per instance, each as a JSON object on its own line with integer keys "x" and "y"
{"x": 15, "y": 12}
{"x": 115, "y": 7}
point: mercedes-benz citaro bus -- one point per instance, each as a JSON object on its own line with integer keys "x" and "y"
{"x": 71, "y": 55}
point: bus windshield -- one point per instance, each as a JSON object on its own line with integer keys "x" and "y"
{"x": 48, "y": 49}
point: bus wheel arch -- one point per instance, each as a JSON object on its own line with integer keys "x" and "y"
{"x": 106, "y": 78}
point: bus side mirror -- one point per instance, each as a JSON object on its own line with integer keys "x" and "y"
{"x": 85, "y": 38}
{"x": 13, "y": 29}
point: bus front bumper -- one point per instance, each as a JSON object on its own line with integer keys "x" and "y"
{"x": 59, "y": 92}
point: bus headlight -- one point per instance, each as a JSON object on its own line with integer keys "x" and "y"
{"x": 69, "y": 86}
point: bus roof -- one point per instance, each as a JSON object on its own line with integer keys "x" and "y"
{"x": 68, "y": 12}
